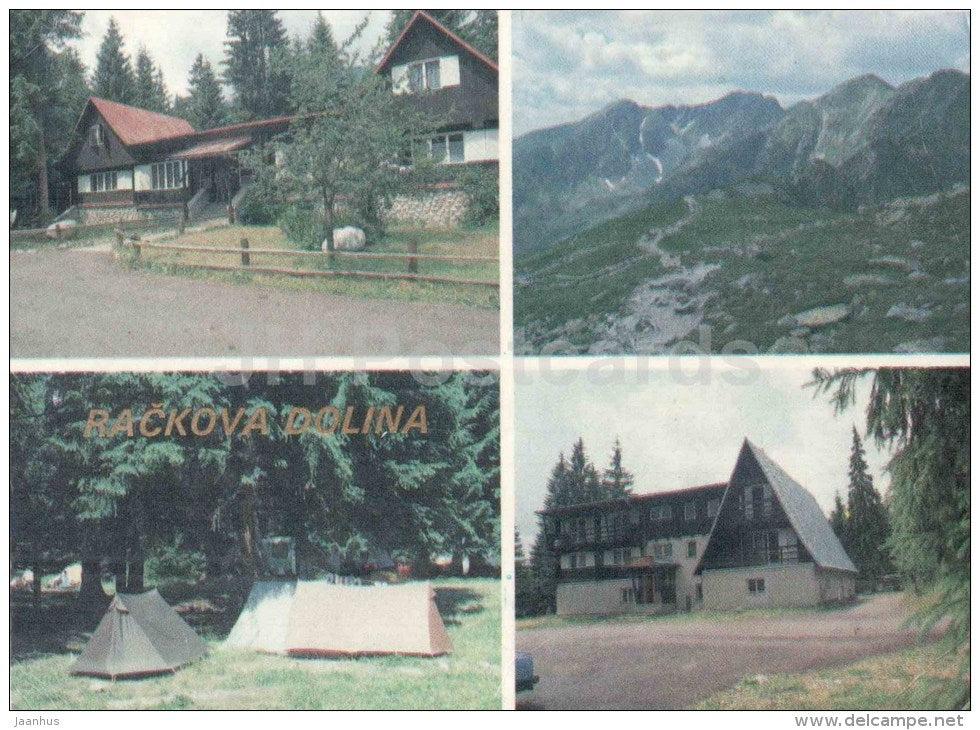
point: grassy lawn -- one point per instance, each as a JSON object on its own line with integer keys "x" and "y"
{"x": 772, "y": 260}
{"x": 552, "y": 621}
{"x": 911, "y": 679}
{"x": 88, "y": 236}
{"x": 468, "y": 678}
{"x": 464, "y": 241}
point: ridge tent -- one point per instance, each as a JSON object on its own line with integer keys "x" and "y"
{"x": 139, "y": 635}
{"x": 315, "y": 618}
{"x": 264, "y": 619}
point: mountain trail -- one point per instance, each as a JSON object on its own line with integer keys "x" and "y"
{"x": 651, "y": 242}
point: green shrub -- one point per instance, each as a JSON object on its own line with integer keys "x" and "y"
{"x": 256, "y": 210}
{"x": 302, "y": 225}
{"x": 480, "y": 185}
{"x": 174, "y": 562}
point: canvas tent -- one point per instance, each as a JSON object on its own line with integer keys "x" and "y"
{"x": 139, "y": 635}
{"x": 316, "y": 618}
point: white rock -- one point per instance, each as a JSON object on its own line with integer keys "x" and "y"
{"x": 348, "y": 238}
{"x": 67, "y": 229}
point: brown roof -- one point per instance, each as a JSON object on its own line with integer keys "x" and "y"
{"x": 422, "y": 15}
{"x": 244, "y": 126}
{"x": 720, "y": 486}
{"x": 138, "y": 126}
{"x": 213, "y": 147}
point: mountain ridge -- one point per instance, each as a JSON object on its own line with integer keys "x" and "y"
{"x": 863, "y": 141}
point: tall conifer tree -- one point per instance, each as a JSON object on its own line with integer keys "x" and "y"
{"x": 114, "y": 78}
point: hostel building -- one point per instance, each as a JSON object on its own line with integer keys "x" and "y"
{"x": 759, "y": 539}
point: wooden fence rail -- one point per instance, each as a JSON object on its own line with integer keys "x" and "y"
{"x": 177, "y": 222}
{"x": 246, "y": 252}
{"x": 292, "y": 252}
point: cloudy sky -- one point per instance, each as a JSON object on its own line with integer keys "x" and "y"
{"x": 568, "y": 64}
{"x": 175, "y": 37}
{"x": 680, "y": 435}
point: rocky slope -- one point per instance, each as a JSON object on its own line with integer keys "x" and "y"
{"x": 864, "y": 142}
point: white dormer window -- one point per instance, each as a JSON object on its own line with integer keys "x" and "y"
{"x": 97, "y": 135}
{"x": 427, "y": 74}
{"x": 424, "y": 76}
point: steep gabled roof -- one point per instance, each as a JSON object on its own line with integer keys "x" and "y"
{"x": 135, "y": 126}
{"x": 420, "y": 16}
{"x": 805, "y": 515}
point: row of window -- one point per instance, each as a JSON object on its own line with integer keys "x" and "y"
{"x": 447, "y": 148}
{"x": 168, "y": 175}
{"x": 163, "y": 176}
{"x": 100, "y": 182}
{"x": 623, "y": 556}
{"x": 611, "y": 523}
{"x": 664, "y": 512}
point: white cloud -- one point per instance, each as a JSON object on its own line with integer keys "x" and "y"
{"x": 678, "y": 435}
{"x": 662, "y": 57}
{"x": 174, "y": 37}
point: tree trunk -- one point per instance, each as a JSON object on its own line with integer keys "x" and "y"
{"x": 212, "y": 553}
{"x": 456, "y": 568}
{"x": 118, "y": 569}
{"x": 422, "y": 567}
{"x": 134, "y": 584}
{"x": 328, "y": 217}
{"x": 36, "y": 588}
{"x": 92, "y": 600}
{"x": 43, "y": 202}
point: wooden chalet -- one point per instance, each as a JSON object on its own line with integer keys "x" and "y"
{"x": 131, "y": 162}
{"x": 125, "y": 157}
{"x": 450, "y": 80}
{"x": 759, "y": 539}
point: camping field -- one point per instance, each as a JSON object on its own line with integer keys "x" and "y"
{"x": 43, "y": 650}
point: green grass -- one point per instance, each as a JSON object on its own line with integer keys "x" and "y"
{"x": 481, "y": 241}
{"x": 910, "y": 679}
{"x": 799, "y": 256}
{"x": 468, "y": 678}
{"x": 85, "y": 236}
{"x": 552, "y": 621}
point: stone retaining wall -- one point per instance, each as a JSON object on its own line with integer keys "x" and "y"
{"x": 439, "y": 209}
{"x": 125, "y": 214}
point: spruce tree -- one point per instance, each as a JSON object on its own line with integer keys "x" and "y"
{"x": 477, "y": 27}
{"x": 151, "y": 92}
{"x": 584, "y": 483}
{"x": 48, "y": 91}
{"x": 616, "y": 481}
{"x": 923, "y": 416}
{"x": 524, "y": 591}
{"x": 204, "y": 106}
{"x": 114, "y": 79}
{"x": 867, "y": 520}
{"x": 321, "y": 38}
{"x": 838, "y": 519}
{"x": 254, "y": 63}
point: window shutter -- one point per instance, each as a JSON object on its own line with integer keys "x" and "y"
{"x": 449, "y": 71}
{"x": 399, "y": 79}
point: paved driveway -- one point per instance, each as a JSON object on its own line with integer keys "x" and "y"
{"x": 673, "y": 662}
{"x": 79, "y": 303}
